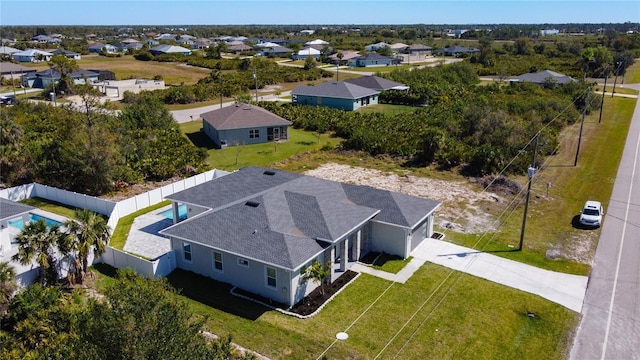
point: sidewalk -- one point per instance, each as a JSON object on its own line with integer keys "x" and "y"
{"x": 564, "y": 289}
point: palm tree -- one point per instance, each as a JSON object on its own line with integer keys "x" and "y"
{"x": 36, "y": 241}
{"x": 317, "y": 272}
{"x": 8, "y": 285}
{"x": 89, "y": 231}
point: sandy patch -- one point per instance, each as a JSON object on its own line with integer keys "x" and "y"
{"x": 462, "y": 206}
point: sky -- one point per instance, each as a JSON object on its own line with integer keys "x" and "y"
{"x": 314, "y": 12}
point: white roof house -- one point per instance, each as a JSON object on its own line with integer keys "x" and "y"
{"x": 305, "y": 53}
{"x": 376, "y": 46}
{"x": 8, "y": 50}
{"x": 316, "y": 42}
{"x": 32, "y": 55}
{"x": 169, "y": 49}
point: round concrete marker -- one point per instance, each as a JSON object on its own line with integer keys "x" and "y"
{"x": 342, "y": 336}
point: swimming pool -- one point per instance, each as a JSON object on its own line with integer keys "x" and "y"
{"x": 182, "y": 212}
{"x": 19, "y": 222}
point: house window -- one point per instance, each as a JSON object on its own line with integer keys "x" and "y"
{"x": 254, "y": 133}
{"x": 217, "y": 261}
{"x": 186, "y": 251}
{"x": 271, "y": 277}
{"x": 243, "y": 262}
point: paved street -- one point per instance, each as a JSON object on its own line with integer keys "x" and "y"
{"x": 610, "y": 324}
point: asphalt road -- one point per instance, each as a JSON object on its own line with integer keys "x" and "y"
{"x": 610, "y": 326}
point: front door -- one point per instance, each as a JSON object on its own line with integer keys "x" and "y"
{"x": 276, "y": 134}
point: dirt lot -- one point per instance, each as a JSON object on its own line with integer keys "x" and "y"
{"x": 462, "y": 207}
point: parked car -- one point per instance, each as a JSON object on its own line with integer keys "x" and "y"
{"x": 6, "y": 100}
{"x": 591, "y": 214}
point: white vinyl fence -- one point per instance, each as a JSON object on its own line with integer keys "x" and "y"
{"x": 161, "y": 266}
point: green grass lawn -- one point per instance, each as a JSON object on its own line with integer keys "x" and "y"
{"x": 236, "y": 157}
{"x": 467, "y": 318}
{"x": 51, "y": 206}
{"x": 391, "y": 263}
{"x": 388, "y": 109}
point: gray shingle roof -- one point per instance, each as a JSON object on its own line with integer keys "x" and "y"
{"x": 375, "y": 83}
{"x": 10, "y": 209}
{"x": 294, "y": 217}
{"x": 242, "y": 116}
{"x": 542, "y": 76}
{"x": 332, "y": 89}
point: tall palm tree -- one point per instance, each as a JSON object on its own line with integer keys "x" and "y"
{"x": 88, "y": 232}
{"x": 36, "y": 241}
{"x": 8, "y": 285}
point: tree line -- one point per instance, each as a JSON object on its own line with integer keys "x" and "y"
{"x": 92, "y": 149}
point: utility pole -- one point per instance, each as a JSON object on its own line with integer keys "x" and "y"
{"x": 13, "y": 86}
{"x": 616, "y": 78}
{"x": 255, "y": 77}
{"x": 338, "y": 71}
{"x": 531, "y": 171}
{"x": 584, "y": 113}
{"x": 53, "y": 86}
{"x": 604, "y": 91}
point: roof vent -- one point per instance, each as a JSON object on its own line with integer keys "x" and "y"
{"x": 252, "y": 203}
{"x": 269, "y": 172}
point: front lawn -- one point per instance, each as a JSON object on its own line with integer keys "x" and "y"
{"x": 437, "y": 314}
{"x": 236, "y": 157}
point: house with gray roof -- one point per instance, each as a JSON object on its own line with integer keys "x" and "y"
{"x": 457, "y": 51}
{"x": 244, "y": 124}
{"x": 258, "y": 229}
{"x": 338, "y": 95}
{"x": 67, "y": 53}
{"x": 169, "y": 49}
{"x": 418, "y": 49}
{"x": 43, "y": 79}
{"x": 99, "y": 47}
{"x": 9, "y": 70}
{"x": 374, "y": 59}
{"x": 543, "y": 78}
{"x": 378, "y": 83}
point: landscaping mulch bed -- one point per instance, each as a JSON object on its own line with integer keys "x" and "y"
{"x": 311, "y": 302}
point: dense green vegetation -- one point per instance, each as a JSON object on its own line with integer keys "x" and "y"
{"x": 93, "y": 151}
{"x": 479, "y": 127}
{"x": 135, "y": 319}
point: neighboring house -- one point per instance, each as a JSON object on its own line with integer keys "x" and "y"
{"x": 545, "y": 32}
{"x": 457, "y": 51}
{"x": 258, "y": 229}
{"x": 45, "y": 39}
{"x": 6, "y": 50}
{"x": 316, "y": 42}
{"x": 375, "y": 47}
{"x": 8, "y": 70}
{"x": 244, "y": 124}
{"x": 307, "y": 32}
{"x": 418, "y": 49}
{"x": 347, "y": 56}
{"x": 543, "y": 78}
{"x": 377, "y": 83}
{"x": 275, "y": 51}
{"x": 166, "y": 37}
{"x": 187, "y": 42}
{"x": 99, "y": 47}
{"x": 43, "y": 79}
{"x": 125, "y": 46}
{"x": 398, "y": 47}
{"x": 152, "y": 42}
{"x": 373, "y": 59}
{"x": 169, "y": 49}
{"x": 67, "y": 53}
{"x": 241, "y": 47}
{"x": 202, "y": 43}
{"x": 306, "y": 52}
{"x": 32, "y": 55}
{"x": 339, "y": 95}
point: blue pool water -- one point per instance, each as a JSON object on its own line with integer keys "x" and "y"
{"x": 182, "y": 212}
{"x": 19, "y": 222}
